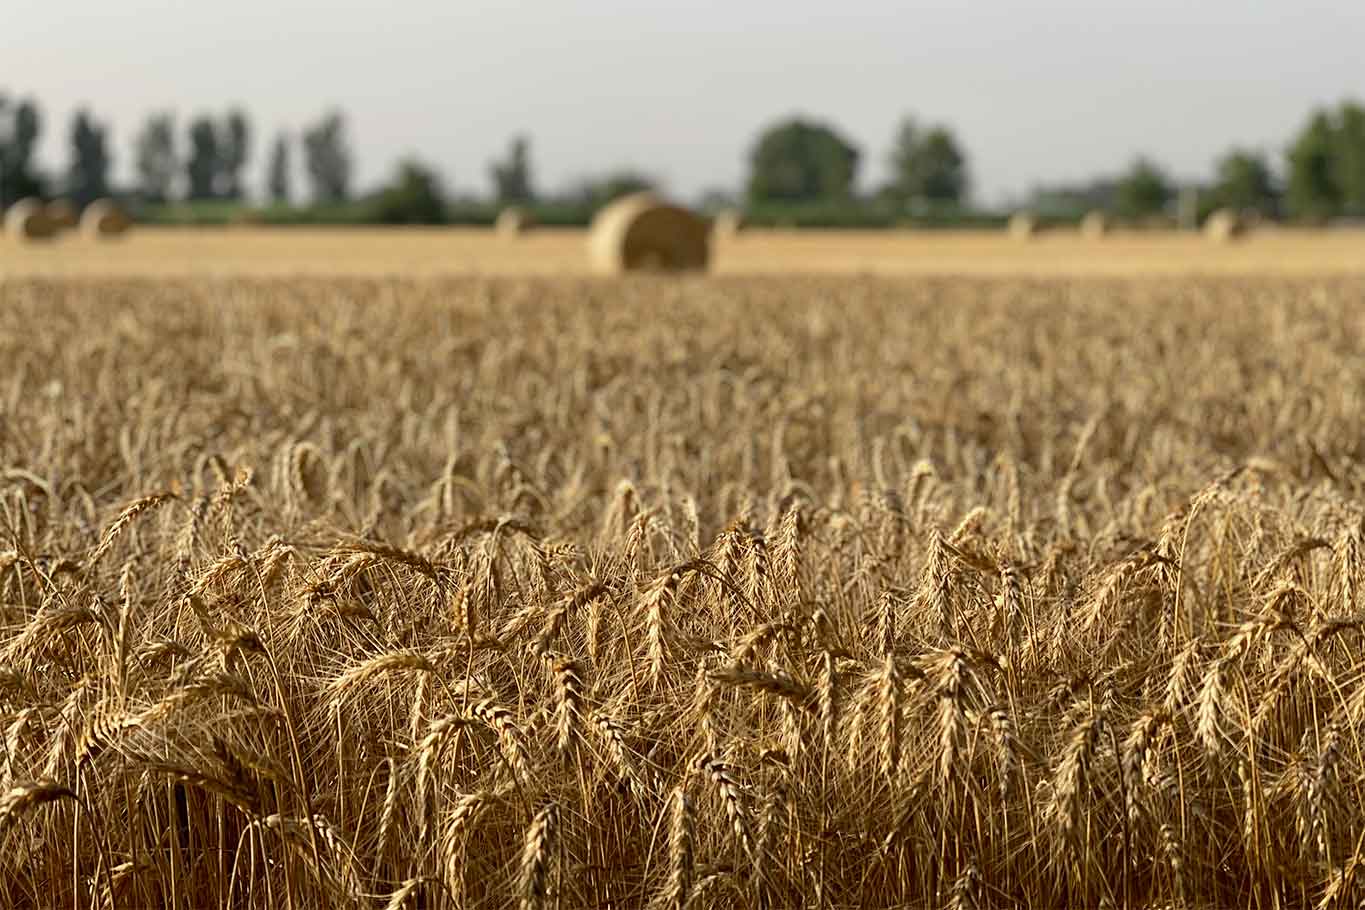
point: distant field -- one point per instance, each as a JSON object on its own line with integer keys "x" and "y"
{"x": 417, "y": 251}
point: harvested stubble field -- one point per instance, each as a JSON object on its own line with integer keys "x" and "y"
{"x": 439, "y": 252}
{"x": 704, "y": 593}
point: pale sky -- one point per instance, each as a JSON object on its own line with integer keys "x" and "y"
{"x": 1036, "y": 91}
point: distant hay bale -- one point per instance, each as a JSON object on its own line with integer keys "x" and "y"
{"x": 1095, "y": 224}
{"x": 63, "y": 214}
{"x": 104, "y": 218}
{"x": 643, "y": 232}
{"x": 1023, "y": 226}
{"x": 727, "y": 224}
{"x": 1223, "y": 226}
{"x": 514, "y": 221}
{"x": 27, "y": 219}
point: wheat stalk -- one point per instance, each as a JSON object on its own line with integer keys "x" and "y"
{"x": 536, "y": 857}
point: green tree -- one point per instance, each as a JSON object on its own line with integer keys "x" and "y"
{"x": 1144, "y": 190}
{"x": 1312, "y": 189}
{"x": 512, "y": 178}
{"x": 928, "y": 166}
{"x": 205, "y": 161}
{"x": 21, "y": 125}
{"x": 235, "y": 148}
{"x": 277, "y": 178}
{"x": 801, "y": 161}
{"x": 414, "y": 197}
{"x": 327, "y": 158}
{"x": 88, "y": 176}
{"x": 1244, "y": 182}
{"x": 1348, "y": 157}
{"x": 155, "y": 158}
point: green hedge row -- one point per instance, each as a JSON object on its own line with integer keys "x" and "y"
{"x": 363, "y": 212}
{"x": 359, "y": 212}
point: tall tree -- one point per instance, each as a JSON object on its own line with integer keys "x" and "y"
{"x": 233, "y": 154}
{"x": 277, "y": 178}
{"x": 156, "y": 162}
{"x": 205, "y": 161}
{"x": 327, "y": 158}
{"x": 88, "y": 176}
{"x": 512, "y": 177}
{"x": 1348, "y": 157}
{"x": 1312, "y": 190}
{"x": 1244, "y": 182}
{"x": 928, "y": 166}
{"x": 1144, "y": 190}
{"x": 801, "y": 161}
{"x": 21, "y": 125}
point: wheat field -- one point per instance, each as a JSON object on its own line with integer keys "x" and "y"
{"x": 768, "y": 591}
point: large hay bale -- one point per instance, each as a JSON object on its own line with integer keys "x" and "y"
{"x": 727, "y": 224}
{"x": 63, "y": 214}
{"x": 1023, "y": 226}
{"x": 103, "y": 218}
{"x": 1095, "y": 224}
{"x": 27, "y": 219}
{"x": 643, "y": 232}
{"x": 514, "y": 221}
{"x": 1224, "y": 225}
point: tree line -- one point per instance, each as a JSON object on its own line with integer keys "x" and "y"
{"x": 1324, "y": 172}
{"x": 206, "y": 162}
{"x": 795, "y": 162}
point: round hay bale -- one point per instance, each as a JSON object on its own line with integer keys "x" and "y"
{"x": 1023, "y": 226}
{"x": 1095, "y": 224}
{"x": 27, "y": 219}
{"x": 63, "y": 214}
{"x": 103, "y": 218}
{"x": 1223, "y": 226}
{"x": 514, "y": 221}
{"x": 727, "y": 224}
{"x": 643, "y": 232}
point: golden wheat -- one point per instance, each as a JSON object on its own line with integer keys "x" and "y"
{"x": 682, "y": 594}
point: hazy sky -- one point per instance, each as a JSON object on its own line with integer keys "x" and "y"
{"x": 1037, "y": 91}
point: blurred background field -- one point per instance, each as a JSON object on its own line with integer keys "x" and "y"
{"x": 152, "y": 251}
